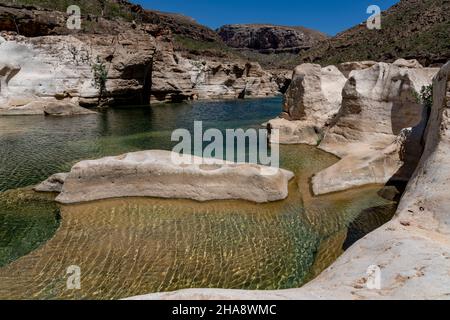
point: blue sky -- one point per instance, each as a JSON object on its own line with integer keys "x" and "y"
{"x": 329, "y": 16}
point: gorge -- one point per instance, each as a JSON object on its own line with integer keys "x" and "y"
{"x": 87, "y": 177}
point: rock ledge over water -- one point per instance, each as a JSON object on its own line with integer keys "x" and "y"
{"x": 155, "y": 174}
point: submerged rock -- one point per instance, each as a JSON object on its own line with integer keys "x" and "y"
{"x": 65, "y": 109}
{"x": 155, "y": 174}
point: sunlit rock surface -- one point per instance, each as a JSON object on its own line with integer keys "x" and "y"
{"x": 176, "y": 78}
{"x": 378, "y": 104}
{"x": 312, "y": 100}
{"x": 60, "y": 69}
{"x": 412, "y": 251}
{"x": 347, "y": 67}
{"x": 52, "y": 184}
{"x": 156, "y": 174}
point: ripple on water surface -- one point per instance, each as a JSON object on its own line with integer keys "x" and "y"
{"x": 128, "y": 247}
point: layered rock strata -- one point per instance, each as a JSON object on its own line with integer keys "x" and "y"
{"x": 62, "y": 69}
{"x": 176, "y": 78}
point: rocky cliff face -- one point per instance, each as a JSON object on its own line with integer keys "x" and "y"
{"x": 49, "y": 63}
{"x": 270, "y": 38}
{"x": 176, "y": 78}
{"x": 61, "y": 68}
{"x": 412, "y": 29}
{"x": 378, "y": 129}
{"x": 373, "y": 120}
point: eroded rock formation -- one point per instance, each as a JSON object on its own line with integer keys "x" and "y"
{"x": 139, "y": 62}
{"x": 60, "y": 69}
{"x": 176, "y": 78}
{"x": 411, "y": 253}
{"x": 378, "y": 104}
{"x": 52, "y": 184}
{"x": 155, "y": 174}
{"x": 311, "y": 102}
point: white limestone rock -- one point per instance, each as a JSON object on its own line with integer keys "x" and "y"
{"x": 364, "y": 167}
{"x": 403, "y": 63}
{"x": 53, "y": 184}
{"x": 378, "y": 104}
{"x": 176, "y": 78}
{"x": 311, "y": 102}
{"x": 294, "y": 132}
{"x": 347, "y": 67}
{"x": 154, "y": 174}
{"x": 412, "y": 251}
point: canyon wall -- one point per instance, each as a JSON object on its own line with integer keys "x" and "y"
{"x": 176, "y": 78}
{"x": 117, "y": 62}
{"x": 61, "y": 69}
{"x": 378, "y": 129}
{"x": 369, "y": 114}
{"x": 410, "y": 255}
{"x": 269, "y": 38}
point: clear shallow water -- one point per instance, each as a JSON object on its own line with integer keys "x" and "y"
{"x": 128, "y": 247}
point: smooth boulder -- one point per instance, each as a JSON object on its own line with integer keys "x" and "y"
{"x": 155, "y": 174}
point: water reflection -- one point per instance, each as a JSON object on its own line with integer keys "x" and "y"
{"x": 128, "y": 247}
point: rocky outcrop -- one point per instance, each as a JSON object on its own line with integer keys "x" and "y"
{"x": 269, "y": 38}
{"x": 347, "y": 67}
{"x": 403, "y": 63}
{"x": 364, "y": 166}
{"x": 181, "y": 25}
{"x": 426, "y": 200}
{"x": 312, "y": 100}
{"x": 378, "y": 103}
{"x": 156, "y": 174}
{"x": 61, "y": 69}
{"x": 52, "y": 184}
{"x": 411, "y": 252}
{"x": 176, "y": 78}
{"x": 65, "y": 109}
{"x": 140, "y": 60}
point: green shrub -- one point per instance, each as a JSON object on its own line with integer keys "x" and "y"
{"x": 425, "y": 97}
{"x": 100, "y": 76}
